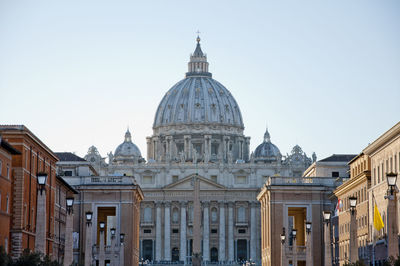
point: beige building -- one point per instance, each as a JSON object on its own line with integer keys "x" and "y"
{"x": 114, "y": 200}
{"x": 384, "y": 154}
{"x": 286, "y": 204}
{"x": 357, "y": 186}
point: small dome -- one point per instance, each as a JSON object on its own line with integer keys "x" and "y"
{"x": 127, "y": 148}
{"x": 267, "y": 150}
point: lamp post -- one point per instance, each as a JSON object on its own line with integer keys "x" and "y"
{"x": 327, "y": 237}
{"x": 353, "y": 229}
{"x": 70, "y": 203}
{"x": 113, "y": 249}
{"x": 294, "y": 247}
{"x": 393, "y": 248}
{"x": 121, "y": 253}
{"x": 88, "y": 242}
{"x": 283, "y": 238}
{"x": 102, "y": 258}
{"x": 41, "y": 179}
{"x": 40, "y": 238}
{"x": 309, "y": 260}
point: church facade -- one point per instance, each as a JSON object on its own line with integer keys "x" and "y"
{"x": 198, "y": 130}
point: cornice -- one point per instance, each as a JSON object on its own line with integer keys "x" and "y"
{"x": 384, "y": 140}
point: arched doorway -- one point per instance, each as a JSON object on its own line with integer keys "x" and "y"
{"x": 214, "y": 254}
{"x": 175, "y": 254}
{"x": 241, "y": 249}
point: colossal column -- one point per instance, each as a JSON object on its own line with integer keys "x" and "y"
{"x": 253, "y": 231}
{"x": 182, "y": 255}
{"x": 230, "y": 232}
{"x": 221, "y": 250}
{"x": 167, "y": 231}
{"x": 158, "y": 231}
{"x": 206, "y": 232}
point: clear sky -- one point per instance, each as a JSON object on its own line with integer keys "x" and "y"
{"x": 322, "y": 74}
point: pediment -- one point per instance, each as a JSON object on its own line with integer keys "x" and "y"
{"x": 187, "y": 184}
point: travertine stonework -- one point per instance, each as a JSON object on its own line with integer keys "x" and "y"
{"x": 198, "y": 131}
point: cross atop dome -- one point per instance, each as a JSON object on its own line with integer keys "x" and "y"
{"x": 128, "y": 136}
{"x": 198, "y": 65}
{"x": 267, "y": 136}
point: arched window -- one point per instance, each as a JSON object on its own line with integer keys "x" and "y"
{"x": 175, "y": 215}
{"x": 214, "y": 215}
{"x": 147, "y": 215}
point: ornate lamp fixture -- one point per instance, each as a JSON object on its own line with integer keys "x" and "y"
{"x": 308, "y": 227}
{"x": 122, "y": 237}
{"x": 102, "y": 226}
{"x": 70, "y": 203}
{"x": 283, "y": 238}
{"x": 294, "y": 233}
{"x": 112, "y": 230}
{"x": 327, "y": 216}
{"x": 41, "y": 179}
{"x": 391, "y": 180}
{"x": 353, "y": 204}
{"x": 89, "y": 216}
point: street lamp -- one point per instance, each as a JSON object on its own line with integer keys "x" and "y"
{"x": 391, "y": 180}
{"x": 392, "y": 240}
{"x": 70, "y": 203}
{"x": 89, "y": 216}
{"x": 353, "y": 230}
{"x": 41, "y": 179}
{"x": 112, "y": 231}
{"x": 353, "y": 203}
{"x": 283, "y": 238}
{"x": 327, "y": 216}
{"x": 122, "y": 237}
{"x": 102, "y": 225}
{"x": 294, "y": 233}
{"x": 308, "y": 227}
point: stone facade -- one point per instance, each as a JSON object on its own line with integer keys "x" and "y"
{"x": 358, "y": 186}
{"x": 384, "y": 154}
{"x": 198, "y": 131}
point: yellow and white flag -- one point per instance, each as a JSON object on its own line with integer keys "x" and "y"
{"x": 378, "y": 223}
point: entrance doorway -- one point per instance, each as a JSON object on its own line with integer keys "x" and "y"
{"x": 214, "y": 254}
{"x": 175, "y": 254}
{"x": 241, "y": 249}
{"x": 147, "y": 249}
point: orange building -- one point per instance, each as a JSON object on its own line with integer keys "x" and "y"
{"x": 6, "y": 152}
{"x": 35, "y": 157}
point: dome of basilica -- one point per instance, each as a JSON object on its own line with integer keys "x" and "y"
{"x": 127, "y": 148}
{"x": 267, "y": 150}
{"x": 198, "y": 99}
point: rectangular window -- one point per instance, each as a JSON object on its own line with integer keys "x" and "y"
{"x": 379, "y": 174}
{"x": 67, "y": 173}
{"x": 175, "y": 231}
{"x": 7, "y": 207}
{"x": 147, "y": 231}
{"x": 1, "y": 167}
{"x": 374, "y": 177}
{"x": 241, "y": 180}
{"x": 8, "y": 172}
{"x": 214, "y": 231}
{"x": 147, "y": 180}
{"x": 174, "y": 178}
{"x": 242, "y": 231}
{"x": 214, "y": 178}
{"x": 335, "y": 174}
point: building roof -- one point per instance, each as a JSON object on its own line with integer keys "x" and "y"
{"x": 339, "y": 158}
{"x": 5, "y": 145}
{"x": 69, "y": 157}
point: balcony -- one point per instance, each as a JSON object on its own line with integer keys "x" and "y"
{"x": 300, "y": 252}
